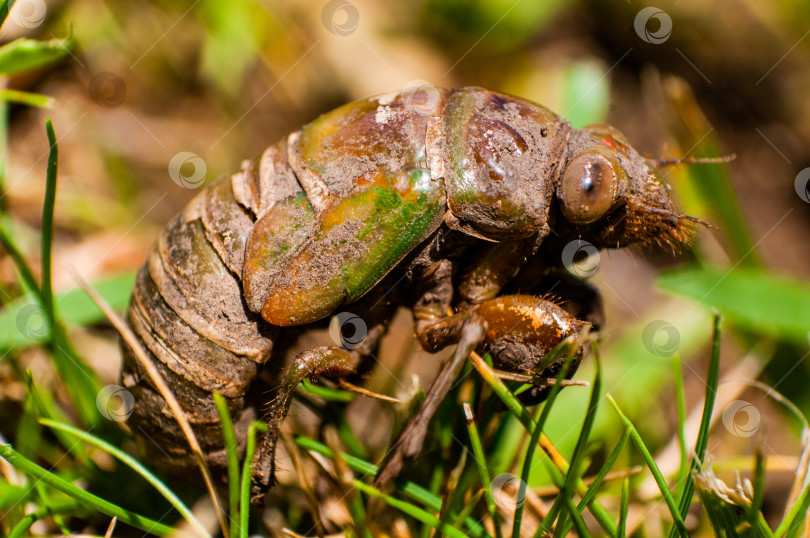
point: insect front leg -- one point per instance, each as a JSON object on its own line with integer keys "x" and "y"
{"x": 575, "y": 294}
{"x": 328, "y": 360}
{"x": 517, "y": 330}
{"x": 353, "y": 357}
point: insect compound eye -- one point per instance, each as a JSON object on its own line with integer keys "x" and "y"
{"x": 588, "y": 188}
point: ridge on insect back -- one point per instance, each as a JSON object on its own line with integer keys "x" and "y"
{"x": 462, "y": 206}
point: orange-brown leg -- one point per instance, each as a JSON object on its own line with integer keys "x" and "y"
{"x": 518, "y": 330}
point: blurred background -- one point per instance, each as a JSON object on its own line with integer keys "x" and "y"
{"x": 147, "y": 80}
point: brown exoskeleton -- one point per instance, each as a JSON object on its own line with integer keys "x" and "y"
{"x": 460, "y": 210}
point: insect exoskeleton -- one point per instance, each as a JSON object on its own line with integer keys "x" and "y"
{"x": 446, "y": 209}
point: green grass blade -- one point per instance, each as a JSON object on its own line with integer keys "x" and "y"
{"x": 46, "y": 501}
{"x": 600, "y": 477}
{"x": 712, "y": 379}
{"x": 47, "y": 224}
{"x": 481, "y": 463}
{"x": 28, "y": 436}
{"x": 26, "y": 275}
{"x": 229, "y": 437}
{"x": 624, "y": 505}
{"x": 75, "y": 309}
{"x": 712, "y": 183}
{"x": 680, "y": 402}
{"x": 136, "y": 520}
{"x": 327, "y": 394}
{"x": 80, "y": 380}
{"x": 751, "y": 298}
{"x": 21, "y": 528}
{"x": 514, "y": 406}
{"x": 755, "y": 512}
{"x": 795, "y": 518}
{"x": 24, "y": 54}
{"x": 468, "y": 508}
{"x": 530, "y": 449}
{"x": 567, "y": 490}
{"x": 133, "y": 464}
{"x": 411, "y": 510}
{"x": 656, "y": 472}
{"x": 244, "y": 497}
{"x": 579, "y": 523}
{"x": 5, "y": 7}
{"x": 26, "y": 98}
{"x": 331, "y": 413}
{"x": 409, "y": 489}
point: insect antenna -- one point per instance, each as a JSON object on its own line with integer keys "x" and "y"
{"x": 679, "y": 216}
{"x": 695, "y": 160}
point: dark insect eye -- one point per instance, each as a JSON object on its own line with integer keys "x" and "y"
{"x": 588, "y": 188}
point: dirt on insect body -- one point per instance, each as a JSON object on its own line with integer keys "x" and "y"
{"x": 378, "y": 204}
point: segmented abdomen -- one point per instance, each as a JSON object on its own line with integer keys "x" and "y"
{"x": 316, "y": 221}
{"x": 189, "y": 312}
